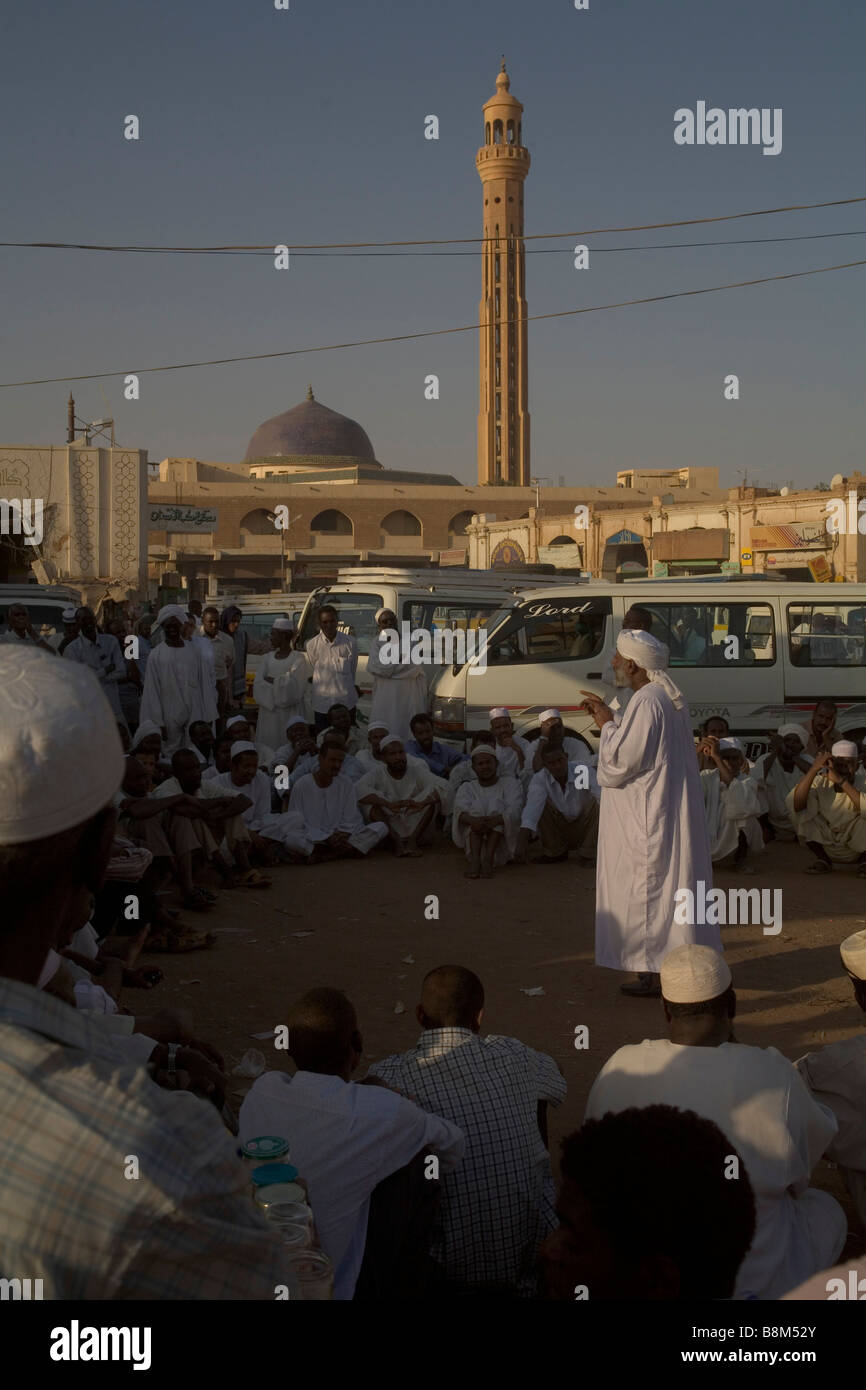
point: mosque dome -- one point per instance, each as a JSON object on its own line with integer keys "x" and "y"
{"x": 311, "y": 433}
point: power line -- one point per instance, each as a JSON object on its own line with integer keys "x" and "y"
{"x": 429, "y": 241}
{"x": 431, "y": 333}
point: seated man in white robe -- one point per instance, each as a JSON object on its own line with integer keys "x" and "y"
{"x": 299, "y": 742}
{"x": 200, "y": 741}
{"x": 759, "y": 1103}
{"x": 352, "y": 768}
{"x": 515, "y": 753}
{"x": 553, "y": 734}
{"x": 465, "y": 771}
{"x": 829, "y": 810}
{"x": 836, "y": 1077}
{"x": 241, "y": 731}
{"x": 405, "y": 797}
{"x": 731, "y": 804}
{"x": 274, "y": 836}
{"x": 371, "y": 757}
{"x": 340, "y": 719}
{"x": 485, "y": 816}
{"x": 777, "y": 773}
{"x": 324, "y": 800}
{"x": 219, "y": 816}
{"x": 561, "y": 809}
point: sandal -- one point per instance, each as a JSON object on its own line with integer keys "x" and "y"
{"x": 253, "y": 879}
{"x": 820, "y": 866}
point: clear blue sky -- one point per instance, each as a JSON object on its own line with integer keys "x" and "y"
{"x": 307, "y": 126}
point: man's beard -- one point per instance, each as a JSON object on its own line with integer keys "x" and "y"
{"x": 620, "y": 678}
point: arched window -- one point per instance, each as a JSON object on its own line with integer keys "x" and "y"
{"x": 563, "y": 540}
{"x": 258, "y": 523}
{"x": 401, "y": 523}
{"x": 509, "y": 130}
{"x": 331, "y": 523}
{"x": 497, "y": 132}
{"x": 519, "y": 133}
{"x": 487, "y": 133}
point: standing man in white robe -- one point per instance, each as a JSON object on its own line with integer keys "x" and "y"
{"x": 636, "y": 619}
{"x": 280, "y": 685}
{"x": 485, "y": 817}
{"x": 178, "y": 687}
{"x": 101, "y": 653}
{"x": 653, "y": 837}
{"x": 405, "y": 797}
{"x": 324, "y": 800}
{"x": 333, "y": 659}
{"x": 399, "y": 688}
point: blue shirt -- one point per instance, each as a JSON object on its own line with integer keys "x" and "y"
{"x": 440, "y": 759}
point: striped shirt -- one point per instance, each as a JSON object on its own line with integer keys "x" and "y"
{"x": 74, "y": 1113}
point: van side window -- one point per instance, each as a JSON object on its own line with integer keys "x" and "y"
{"x": 826, "y": 634}
{"x": 567, "y": 630}
{"x": 713, "y": 634}
{"x": 459, "y": 615}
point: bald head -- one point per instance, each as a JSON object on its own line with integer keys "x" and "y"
{"x": 451, "y": 997}
{"x": 323, "y": 1033}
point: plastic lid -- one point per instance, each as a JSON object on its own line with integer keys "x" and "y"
{"x": 274, "y": 1173}
{"x": 277, "y": 1193}
{"x": 265, "y": 1146}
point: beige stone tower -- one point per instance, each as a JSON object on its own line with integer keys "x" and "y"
{"x": 503, "y": 416}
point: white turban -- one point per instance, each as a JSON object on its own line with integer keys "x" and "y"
{"x": 548, "y": 714}
{"x": 282, "y": 625}
{"x": 60, "y": 754}
{"x": 651, "y": 656}
{"x": 844, "y": 749}
{"x": 237, "y": 719}
{"x": 691, "y": 974}
{"x": 392, "y": 738}
{"x": 172, "y": 610}
{"x": 242, "y": 747}
{"x": 853, "y": 952}
{"x": 144, "y": 730}
{"x": 500, "y": 712}
{"x": 786, "y": 730}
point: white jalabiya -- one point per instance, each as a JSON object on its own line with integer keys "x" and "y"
{"x": 286, "y": 827}
{"x": 652, "y": 837}
{"x": 178, "y": 689}
{"x": 761, "y": 1106}
{"x": 503, "y": 798}
{"x": 399, "y": 691}
{"x": 774, "y": 784}
{"x": 730, "y": 809}
{"x": 831, "y": 820}
{"x": 836, "y": 1078}
{"x": 509, "y": 763}
{"x": 416, "y": 784}
{"x": 325, "y": 810}
{"x": 280, "y": 698}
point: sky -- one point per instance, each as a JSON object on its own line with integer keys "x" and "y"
{"x": 260, "y": 126}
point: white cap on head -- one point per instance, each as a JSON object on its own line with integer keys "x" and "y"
{"x": 68, "y": 615}
{"x": 548, "y": 714}
{"x": 376, "y": 724}
{"x": 323, "y": 734}
{"x": 144, "y": 730}
{"x": 242, "y": 747}
{"x": 500, "y": 712}
{"x": 731, "y": 745}
{"x": 844, "y": 749}
{"x": 484, "y": 748}
{"x": 236, "y": 719}
{"x": 172, "y": 610}
{"x": 690, "y": 974}
{"x": 853, "y": 953}
{"x": 391, "y": 738}
{"x": 787, "y": 730}
{"x": 282, "y": 625}
{"x": 60, "y": 755}
{"x": 294, "y": 719}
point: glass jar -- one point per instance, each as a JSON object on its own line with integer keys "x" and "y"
{"x": 264, "y": 1148}
{"x": 314, "y": 1273}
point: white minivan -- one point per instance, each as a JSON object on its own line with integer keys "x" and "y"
{"x": 760, "y": 653}
{"x": 461, "y": 600}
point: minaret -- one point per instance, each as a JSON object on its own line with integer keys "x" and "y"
{"x": 503, "y": 416}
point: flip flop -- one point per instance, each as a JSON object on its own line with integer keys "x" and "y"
{"x": 253, "y": 879}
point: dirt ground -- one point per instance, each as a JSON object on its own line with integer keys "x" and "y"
{"x": 360, "y": 926}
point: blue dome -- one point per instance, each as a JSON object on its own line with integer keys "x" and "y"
{"x": 310, "y": 431}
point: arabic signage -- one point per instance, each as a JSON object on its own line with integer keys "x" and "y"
{"x": 799, "y": 535}
{"x": 507, "y": 553}
{"x": 164, "y": 516}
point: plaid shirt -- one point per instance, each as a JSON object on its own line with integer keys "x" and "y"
{"x": 499, "y": 1204}
{"x": 73, "y": 1110}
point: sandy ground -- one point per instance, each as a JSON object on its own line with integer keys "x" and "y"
{"x": 360, "y": 926}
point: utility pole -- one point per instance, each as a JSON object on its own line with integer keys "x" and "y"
{"x": 70, "y": 419}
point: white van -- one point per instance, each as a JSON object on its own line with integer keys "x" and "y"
{"x": 795, "y": 644}
{"x": 45, "y": 604}
{"x": 425, "y": 598}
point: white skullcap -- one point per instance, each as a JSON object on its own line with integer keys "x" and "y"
{"x": 60, "y": 754}
{"x": 853, "y": 953}
{"x": 243, "y": 747}
{"x": 690, "y": 974}
{"x": 323, "y": 733}
{"x": 282, "y": 625}
{"x": 548, "y": 714}
{"x": 293, "y": 720}
{"x": 844, "y": 749}
{"x": 652, "y": 656}
{"x": 485, "y": 748}
{"x": 376, "y": 724}
{"x": 786, "y": 730}
{"x": 172, "y": 610}
{"x": 500, "y": 712}
{"x": 144, "y": 730}
{"x": 68, "y": 615}
{"x": 731, "y": 745}
{"x": 237, "y": 719}
{"x": 392, "y": 738}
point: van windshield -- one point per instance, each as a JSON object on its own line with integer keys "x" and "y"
{"x": 355, "y": 616}
{"x": 559, "y": 629}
